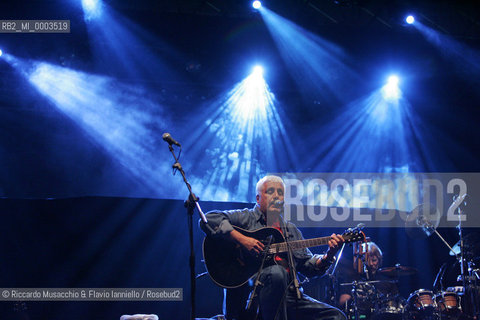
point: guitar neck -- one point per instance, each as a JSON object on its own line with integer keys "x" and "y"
{"x": 298, "y": 244}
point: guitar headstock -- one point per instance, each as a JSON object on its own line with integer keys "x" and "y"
{"x": 353, "y": 235}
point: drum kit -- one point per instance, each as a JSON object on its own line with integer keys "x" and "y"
{"x": 369, "y": 301}
{"x": 375, "y": 299}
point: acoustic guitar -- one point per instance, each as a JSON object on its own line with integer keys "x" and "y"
{"x": 230, "y": 265}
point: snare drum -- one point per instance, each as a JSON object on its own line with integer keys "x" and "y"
{"x": 389, "y": 307}
{"x": 421, "y": 305}
{"x": 448, "y": 303}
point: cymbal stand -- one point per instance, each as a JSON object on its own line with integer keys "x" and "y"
{"x": 355, "y": 298}
{"x": 468, "y": 277}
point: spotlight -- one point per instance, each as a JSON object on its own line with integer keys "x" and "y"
{"x": 258, "y": 70}
{"x": 90, "y": 5}
{"x": 393, "y": 80}
{"x": 390, "y": 90}
{"x": 92, "y": 8}
{"x": 410, "y": 19}
{"x": 1, "y": 52}
{"x": 256, "y": 4}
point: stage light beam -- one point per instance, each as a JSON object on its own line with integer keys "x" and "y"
{"x": 465, "y": 57}
{"x": 244, "y": 137}
{"x": 121, "y": 117}
{"x": 253, "y": 96}
{"x": 256, "y": 4}
{"x": 320, "y": 68}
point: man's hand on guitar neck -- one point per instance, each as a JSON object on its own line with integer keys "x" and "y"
{"x": 251, "y": 244}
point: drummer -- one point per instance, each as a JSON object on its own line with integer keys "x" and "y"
{"x": 366, "y": 266}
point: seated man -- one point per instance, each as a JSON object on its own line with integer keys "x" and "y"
{"x": 277, "y": 298}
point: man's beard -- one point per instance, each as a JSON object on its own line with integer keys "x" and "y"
{"x": 273, "y": 215}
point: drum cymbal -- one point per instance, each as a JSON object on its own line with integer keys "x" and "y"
{"x": 470, "y": 245}
{"x": 367, "y": 282}
{"x": 396, "y": 271}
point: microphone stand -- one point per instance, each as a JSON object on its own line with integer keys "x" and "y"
{"x": 333, "y": 279}
{"x": 257, "y": 283}
{"x": 190, "y": 204}
{"x": 293, "y": 270}
{"x": 468, "y": 285}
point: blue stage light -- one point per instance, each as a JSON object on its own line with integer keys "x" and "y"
{"x": 391, "y": 91}
{"x": 258, "y": 70}
{"x": 244, "y": 138}
{"x": 92, "y": 9}
{"x": 256, "y": 4}
{"x": 410, "y": 19}
{"x": 393, "y": 80}
{"x": 90, "y": 4}
{"x": 1, "y": 52}
{"x": 320, "y": 68}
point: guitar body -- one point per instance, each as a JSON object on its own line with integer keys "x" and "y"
{"x": 230, "y": 265}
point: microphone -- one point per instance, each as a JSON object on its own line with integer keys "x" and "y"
{"x": 168, "y": 138}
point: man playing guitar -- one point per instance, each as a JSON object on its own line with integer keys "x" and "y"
{"x": 277, "y": 297}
